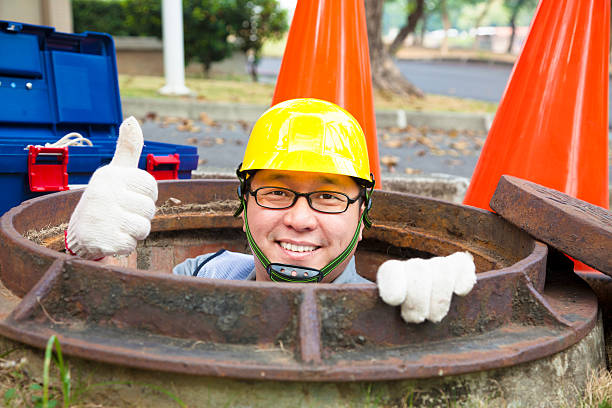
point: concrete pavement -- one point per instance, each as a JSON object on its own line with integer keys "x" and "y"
{"x": 229, "y": 112}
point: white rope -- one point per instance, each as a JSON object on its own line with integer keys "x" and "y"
{"x": 71, "y": 139}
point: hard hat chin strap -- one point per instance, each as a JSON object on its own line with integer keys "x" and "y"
{"x": 292, "y": 273}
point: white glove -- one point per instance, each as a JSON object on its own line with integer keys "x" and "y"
{"x": 424, "y": 287}
{"x": 116, "y": 209}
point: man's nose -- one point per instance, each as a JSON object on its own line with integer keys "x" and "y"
{"x": 300, "y": 216}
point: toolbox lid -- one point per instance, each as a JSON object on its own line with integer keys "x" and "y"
{"x": 20, "y": 56}
{"x": 57, "y": 79}
{"x": 575, "y": 227}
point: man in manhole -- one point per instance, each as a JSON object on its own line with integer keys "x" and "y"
{"x": 305, "y": 193}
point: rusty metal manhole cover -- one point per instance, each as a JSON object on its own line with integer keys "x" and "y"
{"x": 575, "y": 227}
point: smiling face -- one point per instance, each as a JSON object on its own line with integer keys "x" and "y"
{"x": 300, "y": 235}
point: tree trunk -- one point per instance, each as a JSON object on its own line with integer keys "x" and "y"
{"x": 478, "y": 22}
{"x": 252, "y": 65}
{"x": 421, "y": 39}
{"x": 446, "y": 25}
{"x": 386, "y": 76}
{"x": 515, "y": 10}
{"x": 411, "y": 22}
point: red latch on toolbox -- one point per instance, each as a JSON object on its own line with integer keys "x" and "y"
{"x": 163, "y": 167}
{"x": 47, "y": 168}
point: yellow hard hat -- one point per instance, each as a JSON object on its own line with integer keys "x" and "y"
{"x": 308, "y": 135}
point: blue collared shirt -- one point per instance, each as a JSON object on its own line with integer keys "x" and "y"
{"x": 236, "y": 266}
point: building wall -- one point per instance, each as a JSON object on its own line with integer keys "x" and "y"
{"x": 144, "y": 56}
{"x": 134, "y": 62}
{"x": 139, "y": 56}
{"x": 53, "y": 13}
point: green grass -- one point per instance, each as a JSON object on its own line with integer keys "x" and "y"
{"x": 20, "y": 390}
{"x": 215, "y": 90}
{"x": 244, "y": 91}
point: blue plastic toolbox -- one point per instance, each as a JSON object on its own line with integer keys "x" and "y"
{"x": 53, "y": 84}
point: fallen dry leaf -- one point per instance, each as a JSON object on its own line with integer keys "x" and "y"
{"x": 192, "y": 140}
{"x": 408, "y": 128}
{"x": 390, "y": 162}
{"x": 453, "y": 153}
{"x": 207, "y": 120}
{"x": 410, "y": 170}
{"x": 453, "y": 162}
{"x": 245, "y": 125}
{"x": 394, "y": 143}
{"x": 461, "y": 145}
{"x": 168, "y": 120}
{"x": 426, "y": 142}
{"x": 172, "y": 201}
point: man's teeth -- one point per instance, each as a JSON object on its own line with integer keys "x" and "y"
{"x": 297, "y": 248}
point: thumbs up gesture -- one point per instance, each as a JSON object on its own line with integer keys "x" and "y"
{"x": 116, "y": 208}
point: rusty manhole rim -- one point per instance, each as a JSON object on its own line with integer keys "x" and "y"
{"x": 308, "y": 369}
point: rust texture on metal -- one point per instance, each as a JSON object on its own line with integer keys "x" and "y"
{"x": 601, "y": 285}
{"x": 151, "y": 319}
{"x": 580, "y": 229}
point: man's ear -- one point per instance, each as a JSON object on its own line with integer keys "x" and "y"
{"x": 242, "y": 217}
{"x": 362, "y": 209}
{"x": 360, "y": 232}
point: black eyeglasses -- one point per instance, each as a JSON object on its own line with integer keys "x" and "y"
{"x": 279, "y": 198}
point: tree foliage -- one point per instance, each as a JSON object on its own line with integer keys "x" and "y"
{"x": 208, "y": 24}
{"x": 206, "y": 31}
{"x": 252, "y": 22}
{"x": 142, "y": 17}
{"x": 101, "y": 16}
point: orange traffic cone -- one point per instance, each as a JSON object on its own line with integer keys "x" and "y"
{"x": 551, "y": 126}
{"x": 327, "y": 57}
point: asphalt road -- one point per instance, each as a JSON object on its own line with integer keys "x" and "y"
{"x": 482, "y": 81}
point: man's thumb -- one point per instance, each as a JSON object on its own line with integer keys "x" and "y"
{"x": 129, "y": 144}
